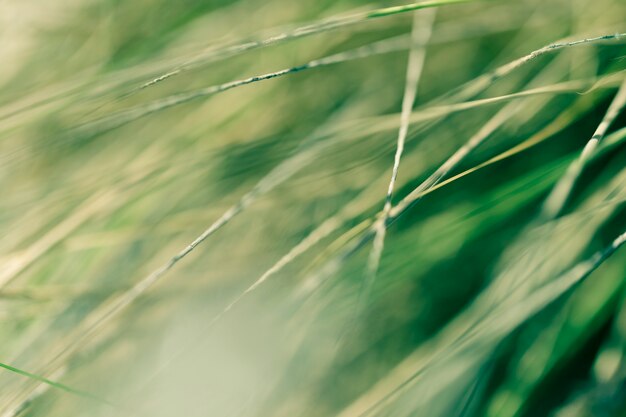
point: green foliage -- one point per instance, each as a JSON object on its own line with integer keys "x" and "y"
{"x": 198, "y": 218}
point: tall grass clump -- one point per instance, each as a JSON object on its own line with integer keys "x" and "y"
{"x": 330, "y": 208}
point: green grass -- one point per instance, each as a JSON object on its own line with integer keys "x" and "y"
{"x": 271, "y": 208}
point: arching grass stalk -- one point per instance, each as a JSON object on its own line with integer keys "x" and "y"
{"x": 470, "y": 89}
{"x": 311, "y": 29}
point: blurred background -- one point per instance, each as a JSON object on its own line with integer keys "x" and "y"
{"x": 117, "y": 151}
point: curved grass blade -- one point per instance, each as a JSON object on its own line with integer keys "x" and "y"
{"x": 312, "y": 29}
{"x": 56, "y": 384}
{"x": 470, "y": 89}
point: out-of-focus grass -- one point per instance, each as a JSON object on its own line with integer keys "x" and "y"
{"x": 480, "y": 305}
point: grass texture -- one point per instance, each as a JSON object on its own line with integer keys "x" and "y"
{"x": 272, "y": 208}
